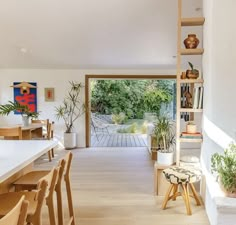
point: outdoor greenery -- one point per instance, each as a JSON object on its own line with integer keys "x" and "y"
{"x": 225, "y": 166}
{"x": 131, "y": 97}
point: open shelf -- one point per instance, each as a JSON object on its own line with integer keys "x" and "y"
{"x": 191, "y": 81}
{"x": 195, "y": 51}
{"x": 195, "y": 21}
{"x": 190, "y": 110}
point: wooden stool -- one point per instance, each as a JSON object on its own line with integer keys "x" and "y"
{"x": 182, "y": 178}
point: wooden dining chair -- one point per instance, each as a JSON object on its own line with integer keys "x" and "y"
{"x": 11, "y": 133}
{"x": 47, "y": 135}
{"x": 35, "y": 199}
{"x": 45, "y": 125}
{"x": 17, "y": 216}
{"x": 29, "y": 181}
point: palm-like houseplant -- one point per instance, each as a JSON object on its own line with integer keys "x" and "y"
{"x": 24, "y": 110}
{"x": 225, "y": 167}
{"x": 71, "y": 108}
{"x": 165, "y": 136}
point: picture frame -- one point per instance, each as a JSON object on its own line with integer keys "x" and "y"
{"x": 49, "y": 95}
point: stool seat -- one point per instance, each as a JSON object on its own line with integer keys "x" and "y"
{"x": 178, "y": 175}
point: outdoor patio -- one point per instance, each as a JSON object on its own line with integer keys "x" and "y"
{"x": 118, "y": 140}
{"x": 110, "y": 137}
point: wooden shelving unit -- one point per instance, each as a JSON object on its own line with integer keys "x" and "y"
{"x": 190, "y": 110}
{"x": 190, "y": 140}
{"x": 183, "y": 22}
{"x": 191, "y": 81}
{"x": 196, "y": 21}
{"x": 197, "y": 51}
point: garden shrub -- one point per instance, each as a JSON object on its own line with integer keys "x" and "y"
{"x": 132, "y": 97}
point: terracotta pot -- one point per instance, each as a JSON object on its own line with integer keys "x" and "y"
{"x": 191, "y": 75}
{"x": 191, "y": 128}
{"x": 191, "y": 41}
{"x": 230, "y": 194}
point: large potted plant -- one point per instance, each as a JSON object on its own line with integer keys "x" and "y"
{"x": 225, "y": 167}
{"x": 24, "y": 110}
{"x": 70, "y": 110}
{"x": 165, "y": 140}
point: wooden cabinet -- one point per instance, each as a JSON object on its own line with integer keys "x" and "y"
{"x": 192, "y": 84}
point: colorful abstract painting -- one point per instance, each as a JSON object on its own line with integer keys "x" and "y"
{"x": 28, "y": 97}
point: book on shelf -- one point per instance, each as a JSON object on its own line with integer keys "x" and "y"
{"x": 191, "y": 134}
{"x": 200, "y": 98}
{"x": 191, "y": 137}
{"x": 197, "y": 97}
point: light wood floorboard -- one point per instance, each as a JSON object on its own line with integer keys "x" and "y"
{"x": 114, "y": 186}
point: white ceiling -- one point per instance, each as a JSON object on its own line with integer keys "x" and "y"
{"x": 85, "y": 34}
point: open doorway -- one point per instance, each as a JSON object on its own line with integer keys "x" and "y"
{"x": 121, "y": 106}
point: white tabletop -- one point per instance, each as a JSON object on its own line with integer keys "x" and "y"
{"x": 15, "y": 155}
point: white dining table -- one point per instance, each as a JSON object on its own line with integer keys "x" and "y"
{"x": 17, "y": 157}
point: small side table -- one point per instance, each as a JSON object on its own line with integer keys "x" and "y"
{"x": 160, "y": 183}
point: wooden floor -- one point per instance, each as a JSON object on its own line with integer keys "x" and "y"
{"x": 115, "y": 187}
{"x": 118, "y": 140}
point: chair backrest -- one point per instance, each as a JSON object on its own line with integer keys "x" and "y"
{"x": 39, "y": 198}
{"x": 45, "y": 126}
{"x": 50, "y": 131}
{"x": 11, "y": 133}
{"x": 46, "y": 122}
{"x": 51, "y": 179}
{"x": 68, "y": 159}
{"x": 17, "y": 216}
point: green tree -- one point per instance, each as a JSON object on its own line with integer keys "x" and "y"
{"x": 133, "y": 97}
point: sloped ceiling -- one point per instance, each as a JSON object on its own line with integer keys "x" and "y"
{"x": 85, "y": 34}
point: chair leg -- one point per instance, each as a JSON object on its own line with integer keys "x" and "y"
{"x": 52, "y": 152}
{"x": 69, "y": 198}
{"x": 185, "y": 195}
{"x": 49, "y": 156}
{"x": 195, "y": 195}
{"x": 167, "y": 196}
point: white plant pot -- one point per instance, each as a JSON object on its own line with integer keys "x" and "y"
{"x": 70, "y": 140}
{"x": 165, "y": 158}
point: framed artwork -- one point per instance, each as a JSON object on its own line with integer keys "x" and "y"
{"x": 49, "y": 94}
{"x": 26, "y": 94}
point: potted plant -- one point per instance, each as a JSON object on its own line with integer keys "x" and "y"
{"x": 192, "y": 73}
{"x": 165, "y": 138}
{"x": 225, "y": 167}
{"x": 70, "y": 110}
{"x": 22, "y": 109}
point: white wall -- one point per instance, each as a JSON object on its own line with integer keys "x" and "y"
{"x": 57, "y": 79}
{"x": 219, "y": 104}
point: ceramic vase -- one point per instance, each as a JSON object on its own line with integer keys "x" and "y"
{"x": 191, "y": 41}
